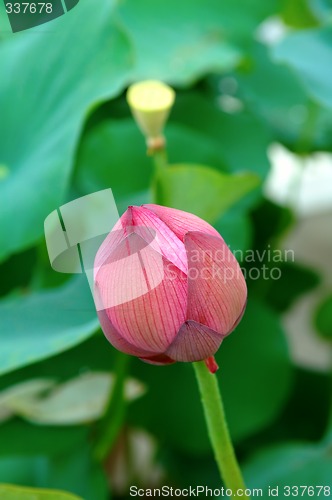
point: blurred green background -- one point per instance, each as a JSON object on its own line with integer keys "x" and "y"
{"x": 254, "y": 104}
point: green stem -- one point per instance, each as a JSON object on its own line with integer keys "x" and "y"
{"x": 112, "y": 421}
{"x": 159, "y": 157}
{"x": 160, "y": 163}
{"x": 218, "y": 429}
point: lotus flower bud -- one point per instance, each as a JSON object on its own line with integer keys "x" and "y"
{"x": 167, "y": 287}
{"x": 150, "y": 102}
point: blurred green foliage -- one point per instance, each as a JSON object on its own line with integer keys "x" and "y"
{"x": 66, "y": 131}
{"x": 323, "y": 317}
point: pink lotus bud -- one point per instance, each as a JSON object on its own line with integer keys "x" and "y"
{"x": 167, "y": 287}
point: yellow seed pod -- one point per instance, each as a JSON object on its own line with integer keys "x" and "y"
{"x": 150, "y": 102}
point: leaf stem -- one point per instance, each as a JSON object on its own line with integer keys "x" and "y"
{"x": 114, "y": 414}
{"x": 218, "y": 429}
{"x": 160, "y": 160}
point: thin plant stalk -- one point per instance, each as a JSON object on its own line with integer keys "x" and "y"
{"x": 218, "y": 429}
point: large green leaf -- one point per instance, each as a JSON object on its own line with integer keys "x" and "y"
{"x": 9, "y": 492}
{"x": 187, "y": 145}
{"x": 298, "y": 13}
{"x": 322, "y": 9}
{"x": 103, "y": 161}
{"x": 36, "y": 440}
{"x": 101, "y": 52}
{"x": 76, "y": 471}
{"x": 41, "y": 324}
{"x": 255, "y": 371}
{"x": 241, "y": 139}
{"x": 88, "y": 60}
{"x": 202, "y": 190}
{"x": 177, "y": 42}
{"x": 73, "y": 471}
{"x": 104, "y": 143}
{"x": 293, "y": 465}
{"x": 51, "y": 457}
{"x": 274, "y": 92}
{"x": 190, "y": 37}
{"x": 314, "y": 71}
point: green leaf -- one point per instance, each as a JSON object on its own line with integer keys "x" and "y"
{"x": 292, "y": 464}
{"x": 70, "y": 468}
{"x": 322, "y": 9}
{"x": 188, "y": 145}
{"x": 249, "y": 360}
{"x": 202, "y": 190}
{"x": 236, "y": 229}
{"x": 254, "y": 395}
{"x": 190, "y": 35}
{"x": 103, "y": 161}
{"x": 314, "y": 72}
{"x": 34, "y": 440}
{"x": 73, "y": 471}
{"x": 113, "y": 154}
{"x": 101, "y": 51}
{"x": 38, "y": 325}
{"x": 77, "y": 401}
{"x": 281, "y": 219}
{"x": 27, "y": 389}
{"x": 17, "y": 272}
{"x": 17, "y": 470}
{"x": 323, "y": 317}
{"x": 240, "y": 138}
{"x": 8, "y": 492}
{"x": 93, "y": 354}
{"x": 298, "y": 14}
{"x": 295, "y": 280}
{"x": 273, "y": 92}
{"x": 306, "y": 414}
{"x": 194, "y": 37}
{"x": 46, "y": 120}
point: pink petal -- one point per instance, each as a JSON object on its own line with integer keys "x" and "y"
{"x": 194, "y": 342}
{"x": 150, "y": 228}
{"x": 165, "y": 242}
{"x": 217, "y": 290}
{"x": 181, "y": 222}
{"x": 145, "y": 295}
{"x": 121, "y": 230}
{"x": 114, "y": 337}
{"x": 127, "y": 273}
